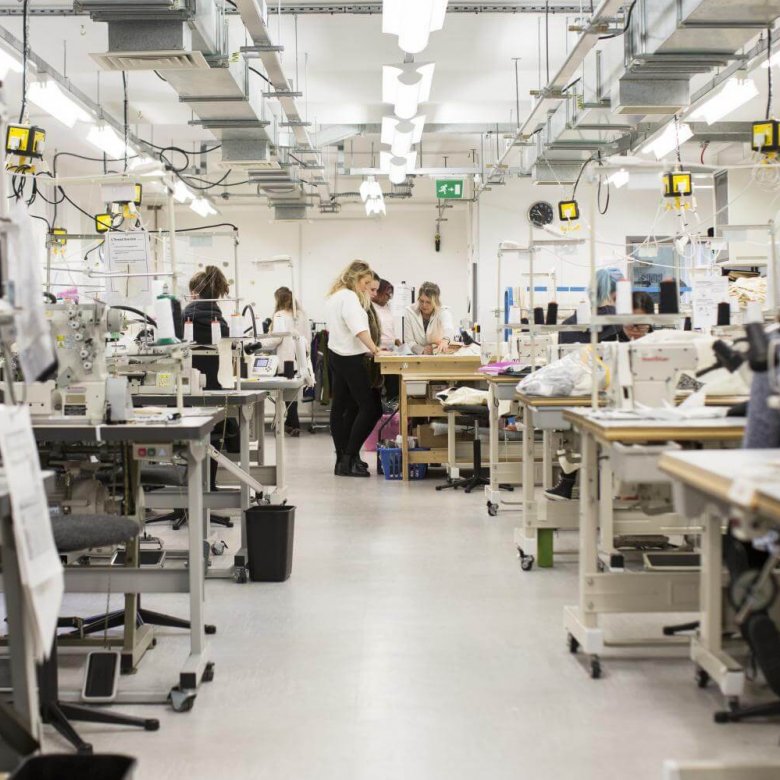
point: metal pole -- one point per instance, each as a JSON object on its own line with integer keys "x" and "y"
{"x": 499, "y": 323}
{"x": 594, "y": 329}
{"x": 172, "y": 239}
{"x": 235, "y": 272}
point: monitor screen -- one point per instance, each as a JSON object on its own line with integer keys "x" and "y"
{"x": 261, "y": 362}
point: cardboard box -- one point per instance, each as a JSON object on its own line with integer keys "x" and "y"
{"x": 436, "y": 387}
{"x": 427, "y": 438}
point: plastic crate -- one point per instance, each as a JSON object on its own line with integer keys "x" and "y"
{"x": 391, "y": 459}
{"x": 60, "y": 766}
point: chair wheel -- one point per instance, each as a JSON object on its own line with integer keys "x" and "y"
{"x": 151, "y": 724}
{"x": 492, "y": 509}
{"x": 181, "y": 701}
{"x": 210, "y": 629}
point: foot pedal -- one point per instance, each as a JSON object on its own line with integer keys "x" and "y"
{"x": 146, "y": 558}
{"x": 101, "y": 677}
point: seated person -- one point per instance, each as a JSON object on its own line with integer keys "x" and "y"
{"x": 205, "y": 288}
{"x": 606, "y": 287}
{"x": 642, "y": 303}
{"x": 429, "y": 325}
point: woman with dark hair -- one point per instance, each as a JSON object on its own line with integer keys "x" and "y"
{"x": 384, "y": 295}
{"x": 203, "y": 311}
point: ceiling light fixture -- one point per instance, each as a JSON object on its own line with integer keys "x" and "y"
{"x": 413, "y": 21}
{"x": 48, "y": 96}
{"x": 9, "y": 63}
{"x": 182, "y": 193}
{"x": 406, "y": 86}
{"x": 107, "y": 140}
{"x": 400, "y": 135}
{"x": 202, "y": 207}
{"x": 619, "y": 178}
{"x": 772, "y": 62}
{"x": 735, "y": 93}
{"x": 668, "y": 140}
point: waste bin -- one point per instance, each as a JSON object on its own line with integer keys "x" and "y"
{"x": 269, "y": 542}
{"x": 67, "y": 765}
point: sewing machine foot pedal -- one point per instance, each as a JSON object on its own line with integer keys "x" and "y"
{"x": 492, "y": 508}
{"x": 181, "y": 700}
{"x": 702, "y": 677}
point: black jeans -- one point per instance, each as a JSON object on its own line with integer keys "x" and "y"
{"x": 293, "y": 420}
{"x": 355, "y": 407}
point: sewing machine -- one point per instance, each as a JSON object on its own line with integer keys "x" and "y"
{"x": 263, "y": 366}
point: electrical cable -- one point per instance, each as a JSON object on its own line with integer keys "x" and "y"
{"x": 124, "y": 115}
{"x": 598, "y": 198}
{"x": 25, "y": 55}
{"x": 625, "y": 26}
{"x": 43, "y": 219}
{"x": 579, "y": 176}
{"x": 146, "y": 317}
{"x": 547, "y": 37}
{"x": 769, "y": 72}
{"x": 207, "y": 227}
{"x": 257, "y": 72}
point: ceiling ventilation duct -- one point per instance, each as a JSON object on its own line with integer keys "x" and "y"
{"x": 292, "y": 212}
{"x": 650, "y": 96}
{"x": 555, "y": 171}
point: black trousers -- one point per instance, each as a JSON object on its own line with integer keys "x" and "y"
{"x": 293, "y": 420}
{"x": 355, "y": 406}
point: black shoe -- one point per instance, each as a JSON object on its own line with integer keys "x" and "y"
{"x": 349, "y": 466}
{"x": 563, "y": 490}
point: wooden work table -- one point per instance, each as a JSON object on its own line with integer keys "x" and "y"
{"x": 436, "y": 365}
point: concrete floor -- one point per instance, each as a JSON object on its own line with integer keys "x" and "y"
{"x": 408, "y": 643}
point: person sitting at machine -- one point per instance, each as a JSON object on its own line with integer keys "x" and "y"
{"x": 606, "y": 291}
{"x": 641, "y": 303}
{"x": 203, "y": 310}
{"x": 381, "y": 301}
{"x": 430, "y": 327}
{"x": 291, "y": 320}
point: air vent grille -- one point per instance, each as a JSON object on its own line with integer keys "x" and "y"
{"x": 151, "y": 60}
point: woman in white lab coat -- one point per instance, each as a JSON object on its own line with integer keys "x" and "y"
{"x": 429, "y": 326}
{"x": 293, "y": 323}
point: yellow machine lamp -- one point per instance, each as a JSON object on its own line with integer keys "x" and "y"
{"x": 58, "y": 239}
{"x": 568, "y": 210}
{"x": 104, "y": 222}
{"x": 765, "y": 136}
{"x": 678, "y": 184}
{"x": 25, "y": 141}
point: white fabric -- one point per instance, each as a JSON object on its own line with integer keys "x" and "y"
{"x": 346, "y": 318}
{"x": 387, "y": 323}
{"x": 441, "y": 326}
{"x": 463, "y": 396}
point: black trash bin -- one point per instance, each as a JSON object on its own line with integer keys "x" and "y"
{"x": 269, "y": 542}
{"x": 67, "y": 765}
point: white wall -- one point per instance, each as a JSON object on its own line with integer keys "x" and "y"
{"x": 399, "y": 247}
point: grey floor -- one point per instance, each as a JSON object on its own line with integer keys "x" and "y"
{"x": 408, "y": 643}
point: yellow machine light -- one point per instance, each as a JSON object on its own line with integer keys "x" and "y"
{"x": 58, "y": 237}
{"x": 678, "y": 184}
{"x": 765, "y": 136}
{"x": 139, "y": 194}
{"x": 103, "y": 222}
{"x": 25, "y": 141}
{"x": 568, "y": 210}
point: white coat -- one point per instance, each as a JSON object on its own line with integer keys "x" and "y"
{"x": 440, "y": 326}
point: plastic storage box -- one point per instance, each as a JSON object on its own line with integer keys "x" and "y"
{"x": 391, "y": 460}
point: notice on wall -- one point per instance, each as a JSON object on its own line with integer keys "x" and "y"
{"x": 39, "y": 563}
{"x": 128, "y": 260}
{"x": 708, "y": 292}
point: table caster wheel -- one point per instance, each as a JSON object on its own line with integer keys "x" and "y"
{"x": 240, "y": 575}
{"x": 492, "y": 509}
{"x": 210, "y": 629}
{"x": 208, "y": 672}
{"x": 154, "y": 642}
{"x": 181, "y": 701}
{"x": 595, "y": 668}
{"x": 701, "y": 677}
{"x": 572, "y": 643}
{"x": 527, "y": 562}
{"x": 218, "y": 548}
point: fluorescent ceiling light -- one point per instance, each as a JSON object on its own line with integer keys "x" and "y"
{"x": 202, "y": 207}
{"x": 413, "y": 21}
{"x": 387, "y": 160}
{"x": 406, "y": 86}
{"x": 107, "y": 140}
{"x": 619, "y": 178}
{"x": 48, "y": 96}
{"x": 668, "y": 140}
{"x": 400, "y": 135}
{"x": 182, "y": 193}
{"x": 370, "y": 189}
{"x": 735, "y": 93}
{"x": 9, "y": 63}
{"x": 773, "y": 61}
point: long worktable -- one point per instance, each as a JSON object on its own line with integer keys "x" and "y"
{"x": 742, "y": 486}
{"x": 187, "y": 437}
{"x": 604, "y": 586}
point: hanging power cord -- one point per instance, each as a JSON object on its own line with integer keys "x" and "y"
{"x": 124, "y": 116}
{"x": 257, "y": 73}
{"x": 25, "y": 55}
{"x": 579, "y": 176}
{"x": 625, "y": 26}
{"x": 769, "y": 72}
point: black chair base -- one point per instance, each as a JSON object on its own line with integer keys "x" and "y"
{"x": 467, "y": 483}
{"x": 738, "y": 714}
{"x": 681, "y": 628}
{"x": 178, "y": 518}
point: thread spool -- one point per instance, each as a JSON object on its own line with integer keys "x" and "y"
{"x": 724, "y": 313}
{"x": 669, "y": 301}
{"x": 753, "y": 312}
{"x": 216, "y": 332}
{"x": 538, "y": 316}
{"x": 583, "y": 312}
{"x": 189, "y": 331}
{"x": 688, "y": 325}
{"x": 163, "y": 313}
{"x": 623, "y": 297}
{"x": 552, "y": 313}
{"x": 236, "y": 326}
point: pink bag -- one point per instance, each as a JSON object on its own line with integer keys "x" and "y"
{"x": 388, "y": 427}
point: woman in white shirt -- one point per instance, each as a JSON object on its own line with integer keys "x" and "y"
{"x": 429, "y": 325}
{"x": 293, "y": 323}
{"x": 354, "y": 410}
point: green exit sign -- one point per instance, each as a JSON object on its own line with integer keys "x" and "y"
{"x": 449, "y": 188}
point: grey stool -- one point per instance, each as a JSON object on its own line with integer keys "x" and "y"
{"x": 71, "y": 534}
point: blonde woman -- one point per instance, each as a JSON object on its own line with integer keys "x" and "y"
{"x": 291, "y": 323}
{"x": 429, "y": 325}
{"x": 354, "y": 410}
